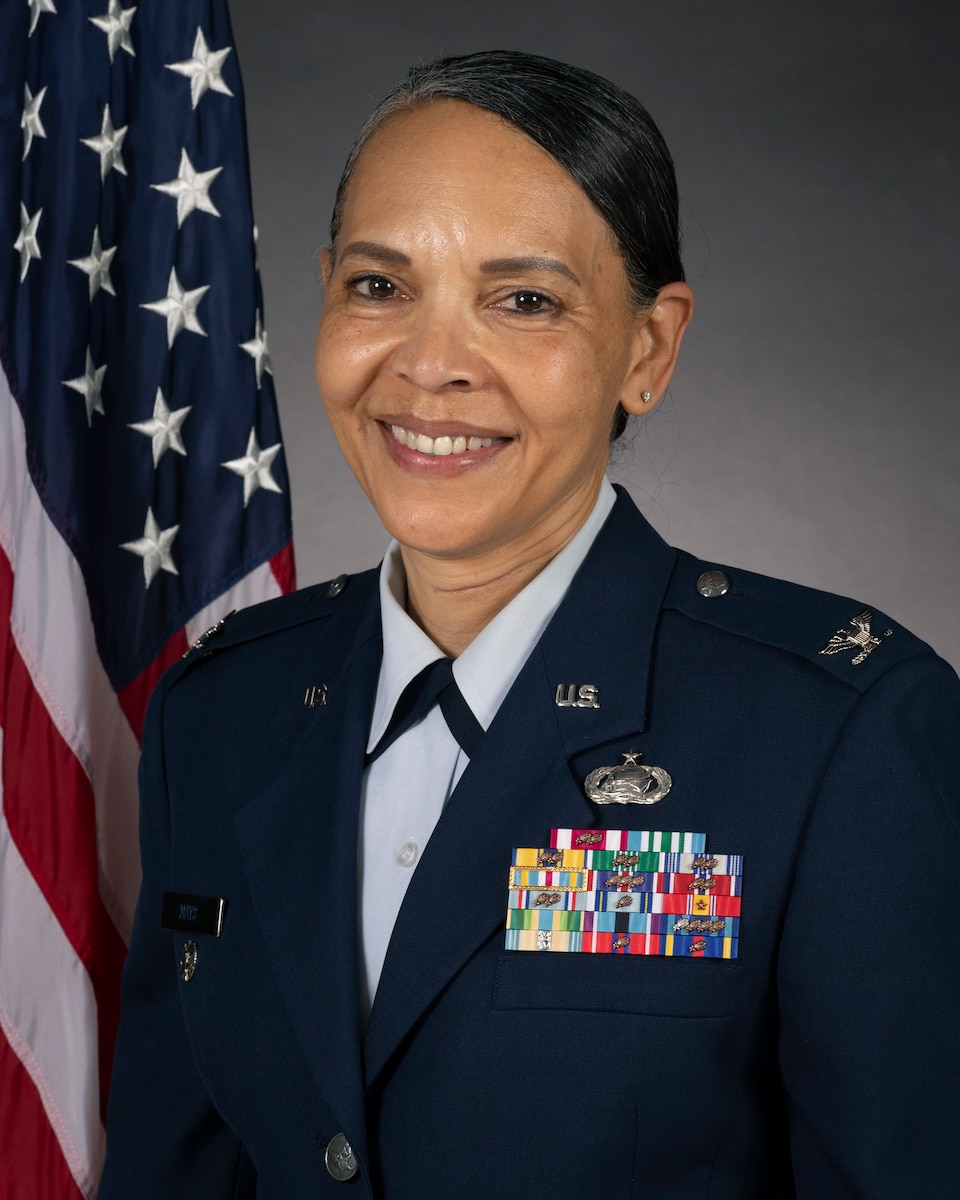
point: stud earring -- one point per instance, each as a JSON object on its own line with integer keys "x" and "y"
{"x": 646, "y": 397}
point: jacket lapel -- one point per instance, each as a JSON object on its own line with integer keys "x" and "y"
{"x": 521, "y": 784}
{"x": 298, "y": 840}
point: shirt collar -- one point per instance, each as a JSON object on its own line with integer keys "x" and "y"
{"x": 485, "y": 671}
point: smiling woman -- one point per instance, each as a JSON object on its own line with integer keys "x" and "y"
{"x": 457, "y": 951}
{"x": 477, "y": 302}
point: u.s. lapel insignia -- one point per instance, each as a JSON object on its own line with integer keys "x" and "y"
{"x": 631, "y": 782}
{"x": 587, "y": 695}
{"x": 859, "y": 637}
{"x": 315, "y": 696}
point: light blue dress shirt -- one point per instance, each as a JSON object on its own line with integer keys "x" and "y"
{"x": 405, "y": 789}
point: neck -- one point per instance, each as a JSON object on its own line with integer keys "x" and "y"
{"x": 454, "y": 599}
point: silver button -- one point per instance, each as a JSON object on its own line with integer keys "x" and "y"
{"x": 713, "y": 583}
{"x": 339, "y": 1158}
{"x": 407, "y": 853}
{"x": 337, "y": 586}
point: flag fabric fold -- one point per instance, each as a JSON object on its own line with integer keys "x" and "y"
{"x": 143, "y": 494}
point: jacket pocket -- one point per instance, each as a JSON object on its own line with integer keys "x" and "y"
{"x": 639, "y": 984}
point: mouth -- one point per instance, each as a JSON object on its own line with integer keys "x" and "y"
{"x": 443, "y": 445}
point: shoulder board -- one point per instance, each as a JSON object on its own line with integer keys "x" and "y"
{"x": 345, "y": 593}
{"x": 851, "y": 640}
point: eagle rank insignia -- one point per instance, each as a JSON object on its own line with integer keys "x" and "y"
{"x": 631, "y": 782}
{"x": 860, "y": 638}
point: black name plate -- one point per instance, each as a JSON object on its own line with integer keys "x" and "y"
{"x": 183, "y": 913}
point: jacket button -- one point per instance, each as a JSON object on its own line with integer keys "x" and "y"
{"x": 337, "y": 586}
{"x": 339, "y": 1158}
{"x": 712, "y": 584}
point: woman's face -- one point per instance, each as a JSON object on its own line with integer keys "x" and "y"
{"x": 477, "y": 335}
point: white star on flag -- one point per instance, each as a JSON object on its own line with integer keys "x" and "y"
{"x": 97, "y": 265}
{"x": 154, "y": 548}
{"x": 30, "y": 122}
{"x": 163, "y": 428}
{"x": 115, "y": 23}
{"x": 179, "y": 307}
{"x": 203, "y": 70}
{"x": 191, "y": 189}
{"x": 26, "y": 243}
{"x": 107, "y": 144}
{"x": 89, "y": 385}
{"x": 258, "y": 351}
{"x": 36, "y": 8}
{"x": 254, "y": 468}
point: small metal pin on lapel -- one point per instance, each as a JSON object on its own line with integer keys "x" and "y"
{"x": 188, "y": 961}
{"x": 316, "y": 696}
{"x": 569, "y": 695}
{"x": 859, "y": 637}
{"x": 629, "y": 783}
{"x": 208, "y": 634}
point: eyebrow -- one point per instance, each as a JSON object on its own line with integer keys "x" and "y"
{"x": 384, "y": 254}
{"x": 495, "y": 266}
{"x": 508, "y": 266}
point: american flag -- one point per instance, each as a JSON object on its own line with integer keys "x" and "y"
{"x": 143, "y": 495}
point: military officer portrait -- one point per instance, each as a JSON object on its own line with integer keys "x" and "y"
{"x": 543, "y": 859}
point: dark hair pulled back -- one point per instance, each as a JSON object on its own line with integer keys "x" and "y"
{"x": 603, "y": 137}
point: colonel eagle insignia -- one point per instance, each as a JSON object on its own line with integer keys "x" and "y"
{"x": 858, "y": 637}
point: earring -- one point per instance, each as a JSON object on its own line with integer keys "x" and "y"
{"x": 646, "y": 397}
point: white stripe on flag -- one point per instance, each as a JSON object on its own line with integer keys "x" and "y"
{"x": 48, "y": 1014}
{"x": 53, "y": 631}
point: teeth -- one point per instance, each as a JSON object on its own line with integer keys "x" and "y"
{"x": 441, "y": 446}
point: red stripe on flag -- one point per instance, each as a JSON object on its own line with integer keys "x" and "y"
{"x": 284, "y": 568}
{"x": 51, "y": 813}
{"x": 32, "y": 1166}
{"x": 135, "y": 697}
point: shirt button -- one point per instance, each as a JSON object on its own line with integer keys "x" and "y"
{"x": 407, "y": 853}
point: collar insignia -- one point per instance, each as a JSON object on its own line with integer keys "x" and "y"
{"x": 859, "y": 637}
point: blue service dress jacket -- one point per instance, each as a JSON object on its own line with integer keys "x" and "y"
{"x": 822, "y": 1062}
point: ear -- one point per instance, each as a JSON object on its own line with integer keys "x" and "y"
{"x": 325, "y": 260}
{"x": 657, "y": 336}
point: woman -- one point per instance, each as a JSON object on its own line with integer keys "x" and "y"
{"x": 750, "y": 991}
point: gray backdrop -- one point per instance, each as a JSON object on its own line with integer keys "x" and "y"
{"x": 812, "y": 427}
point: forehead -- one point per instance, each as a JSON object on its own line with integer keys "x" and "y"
{"x": 448, "y": 163}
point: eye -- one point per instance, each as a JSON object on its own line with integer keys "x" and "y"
{"x": 528, "y": 302}
{"x": 532, "y": 302}
{"x": 372, "y": 287}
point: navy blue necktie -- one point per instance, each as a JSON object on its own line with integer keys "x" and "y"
{"x": 434, "y": 685}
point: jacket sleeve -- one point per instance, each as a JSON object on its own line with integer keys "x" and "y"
{"x": 164, "y": 1137}
{"x": 869, "y": 971}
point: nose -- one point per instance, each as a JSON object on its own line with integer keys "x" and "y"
{"x": 435, "y": 353}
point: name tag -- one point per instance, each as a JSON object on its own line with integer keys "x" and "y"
{"x": 183, "y": 913}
